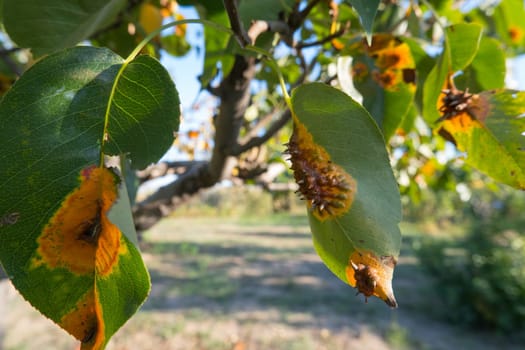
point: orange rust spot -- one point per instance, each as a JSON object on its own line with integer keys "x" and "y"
{"x": 462, "y": 122}
{"x": 84, "y": 321}
{"x": 372, "y": 276}
{"x": 516, "y": 34}
{"x": 359, "y": 71}
{"x": 388, "y": 79}
{"x": 460, "y": 110}
{"x": 393, "y": 62}
{"x": 394, "y": 56}
{"x": 80, "y": 237}
{"x": 328, "y": 189}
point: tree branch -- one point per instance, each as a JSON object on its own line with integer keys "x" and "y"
{"x": 236, "y": 24}
{"x": 259, "y": 140}
{"x": 326, "y": 39}
{"x": 258, "y": 27}
{"x": 234, "y": 92}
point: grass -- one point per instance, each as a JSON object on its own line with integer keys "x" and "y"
{"x": 257, "y": 283}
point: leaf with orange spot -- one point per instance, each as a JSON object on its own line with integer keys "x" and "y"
{"x": 67, "y": 238}
{"x": 508, "y": 22}
{"x": 384, "y": 74}
{"x": 341, "y": 165}
{"x": 461, "y": 45}
{"x": 490, "y": 128}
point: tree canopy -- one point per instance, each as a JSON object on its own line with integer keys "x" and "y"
{"x": 364, "y": 94}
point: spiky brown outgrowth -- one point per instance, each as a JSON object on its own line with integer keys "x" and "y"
{"x": 372, "y": 276}
{"x": 366, "y": 279}
{"x": 327, "y": 188}
{"x": 454, "y": 102}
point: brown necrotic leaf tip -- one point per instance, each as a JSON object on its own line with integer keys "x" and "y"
{"x": 372, "y": 276}
{"x": 328, "y": 189}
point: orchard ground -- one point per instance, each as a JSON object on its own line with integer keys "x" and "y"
{"x": 257, "y": 283}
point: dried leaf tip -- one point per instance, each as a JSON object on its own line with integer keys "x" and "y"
{"x": 372, "y": 276}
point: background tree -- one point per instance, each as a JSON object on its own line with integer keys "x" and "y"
{"x": 405, "y": 75}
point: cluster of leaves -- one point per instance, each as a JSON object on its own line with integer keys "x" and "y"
{"x": 66, "y": 233}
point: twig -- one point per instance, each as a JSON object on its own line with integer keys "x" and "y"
{"x": 236, "y": 24}
{"x": 258, "y": 27}
{"x": 257, "y": 141}
{"x": 326, "y": 39}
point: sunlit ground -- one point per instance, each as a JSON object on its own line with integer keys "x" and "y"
{"x": 236, "y": 284}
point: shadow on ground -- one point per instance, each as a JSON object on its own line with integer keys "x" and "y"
{"x": 220, "y": 284}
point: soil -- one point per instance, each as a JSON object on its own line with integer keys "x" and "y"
{"x": 225, "y": 284}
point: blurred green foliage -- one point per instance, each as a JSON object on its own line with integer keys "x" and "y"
{"x": 481, "y": 277}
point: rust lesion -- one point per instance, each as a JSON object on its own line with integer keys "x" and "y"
{"x": 89, "y": 230}
{"x": 328, "y": 189}
{"x": 372, "y": 276}
{"x": 80, "y": 237}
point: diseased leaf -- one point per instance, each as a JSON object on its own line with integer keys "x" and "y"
{"x": 47, "y": 26}
{"x": 508, "y": 20}
{"x": 461, "y": 45}
{"x": 384, "y": 74}
{"x": 63, "y": 240}
{"x": 489, "y": 127}
{"x": 353, "y": 200}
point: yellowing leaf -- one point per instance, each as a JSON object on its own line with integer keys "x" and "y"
{"x": 150, "y": 17}
{"x": 384, "y": 74}
{"x": 80, "y": 237}
{"x": 489, "y": 127}
{"x": 81, "y": 240}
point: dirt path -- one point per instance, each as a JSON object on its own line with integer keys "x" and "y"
{"x": 218, "y": 284}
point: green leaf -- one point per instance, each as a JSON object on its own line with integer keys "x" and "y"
{"x": 47, "y": 26}
{"x": 461, "y": 46}
{"x": 489, "y": 59}
{"x": 463, "y": 42}
{"x": 366, "y": 231}
{"x": 491, "y": 133}
{"x": 68, "y": 249}
{"x": 367, "y": 10}
{"x": 510, "y": 27}
{"x": 144, "y": 113}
